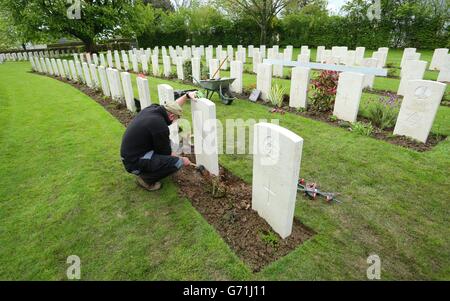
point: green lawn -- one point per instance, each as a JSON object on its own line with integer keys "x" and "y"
{"x": 64, "y": 192}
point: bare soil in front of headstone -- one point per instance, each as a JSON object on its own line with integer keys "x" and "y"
{"x": 224, "y": 202}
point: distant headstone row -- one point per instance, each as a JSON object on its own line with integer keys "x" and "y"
{"x": 23, "y": 56}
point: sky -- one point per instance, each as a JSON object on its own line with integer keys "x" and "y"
{"x": 335, "y": 5}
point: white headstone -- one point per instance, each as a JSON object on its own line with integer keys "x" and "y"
{"x": 369, "y": 78}
{"x": 109, "y": 59}
{"x": 278, "y": 68}
{"x": 411, "y": 70}
{"x": 444, "y": 73}
{"x": 350, "y": 58}
{"x": 223, "y": 60}
{"x": 276, "y": 168}
{"x": 104, "y": 81}
{"x": 102, "y": 60}
{"x": 54, "y": 67}
{"x": 144, "y": 64}
{"x": 155, "y": 65}
{"x": 144, "y": 92}
{"x": 128, "y": 91}
{"x": 87, "y": 75}
{"x": 61, "y": 71}
{"x": 359, "y": 55}
{"x": 126, "y": 62}
{"x": 195, "y": 69}
{"x": 165, "y": 94}
{"x": 67, "y": 69}
{"x": 73, "y": 71}
{"x": 440, "y": 58}
{"x": 44, "y": 65}
{"x": 299, "y": 87}
{"x": 381, "y": 56}
{"x": 94, "y": 76}
{"x": 418, "y": 109}
{"x": 262, "y": 49}
{"x": 117, "y": 60}
{"x": 257, "y": 59}
{"x": 236, "y": 69}
{"x": 166, "y": 65}
{"x": 303, "y": 58}
{"x": 348, "y": 96}
{"x": 134, "y": 61}
{"x": 319, "y": 53}
{"x": 95, "y": 58}
{"x": 205, "y": 134}
{"x": 406, "y": 53}
{"x": 49, "y": 66}
{"x": 180, "y": 71}
{"x": 264, "y": 80}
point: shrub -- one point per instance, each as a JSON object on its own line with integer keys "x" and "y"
{"x": 383, "y": 112}
{"x": 362, "y": 128}
{"x": 276, "y": 96}
{"x": 324, "y": 91}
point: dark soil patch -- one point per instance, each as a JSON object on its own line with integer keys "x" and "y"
{"x": 225, "y": 203}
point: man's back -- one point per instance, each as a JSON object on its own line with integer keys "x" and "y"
{"x": 148, "y": 131}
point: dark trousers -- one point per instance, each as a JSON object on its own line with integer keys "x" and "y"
{"x": 153, "y": 169}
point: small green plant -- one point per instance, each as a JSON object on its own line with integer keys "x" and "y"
{"x": 270, "y": 239}
{"x": 276, "y": 96}
{"x": 383, "y": 112}
{"x": 361, "y": 128}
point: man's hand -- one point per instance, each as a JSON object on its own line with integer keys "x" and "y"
{"x": 192, "y": 95}
{"x": 186, "y": 161}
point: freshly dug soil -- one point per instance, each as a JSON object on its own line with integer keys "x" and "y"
{"x": 225, "y": 203}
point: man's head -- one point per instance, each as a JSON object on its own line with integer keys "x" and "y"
{"x": 174, "y": 110}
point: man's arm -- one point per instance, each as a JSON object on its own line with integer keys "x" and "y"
{"x": 190, "y": 95}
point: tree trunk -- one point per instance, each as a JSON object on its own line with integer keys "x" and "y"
{"x": 89, "y": 45}
{"x": 262, "y": 37}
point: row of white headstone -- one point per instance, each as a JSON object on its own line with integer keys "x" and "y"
{"x": 121, "y": 62}
{"x": 421, "y": 98}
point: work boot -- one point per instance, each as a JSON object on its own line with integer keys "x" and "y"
{"x": 149, "y": 187}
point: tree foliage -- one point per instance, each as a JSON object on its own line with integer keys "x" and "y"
{"x": 99, "y": 19}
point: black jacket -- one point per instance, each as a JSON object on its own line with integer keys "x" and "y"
{"x": 148, "y": 131}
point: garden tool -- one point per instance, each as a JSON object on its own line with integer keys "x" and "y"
{"x": 200, "y": 168}
{"x": 312, "y": 191}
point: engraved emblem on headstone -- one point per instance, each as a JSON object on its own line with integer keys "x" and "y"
{"x": 422, "y": 92}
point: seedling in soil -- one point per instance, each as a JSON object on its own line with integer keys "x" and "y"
{"x": 218, "y": 189}
{"x": 333, "y": 118}
{"x": 270, "y": 239}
